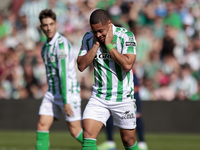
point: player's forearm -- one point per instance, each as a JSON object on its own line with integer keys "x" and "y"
{"x": 84, "y": 61}
{"x": 126, "y": 61}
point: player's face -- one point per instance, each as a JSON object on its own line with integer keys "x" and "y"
{"x": 100, "y": 31}
{"x": 49, "y": 27}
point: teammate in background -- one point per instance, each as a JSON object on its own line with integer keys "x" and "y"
{"x": 110, "y": 144}
{"x": 63, "y": 95}
{"x": 113, "y": 52}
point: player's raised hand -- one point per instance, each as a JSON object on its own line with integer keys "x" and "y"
{"x": 109, "y": 35}
{"x": 68, "y": 110}
{"x": 96, "y": 41}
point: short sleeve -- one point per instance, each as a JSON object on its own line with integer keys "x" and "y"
{"x": 129, "y": 45}
{"x": 85, "y": 43}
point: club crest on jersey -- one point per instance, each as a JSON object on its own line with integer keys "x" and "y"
{"x": 53, "y": 59}
{"x": 103, "y": 56}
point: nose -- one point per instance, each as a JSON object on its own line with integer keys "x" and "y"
{"x": 48, "y": 27}
{"x": 98, "y": 34}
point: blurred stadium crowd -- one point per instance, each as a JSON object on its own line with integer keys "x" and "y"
{"x": 167, "y": 34}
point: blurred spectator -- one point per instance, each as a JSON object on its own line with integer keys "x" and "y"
{"x": 31, "y": 82}
{"x": 115, "y": 11}
{"x": 192, "y": 57}
{"x": 188, "y": 84}
{"x": 26, "y": 34}
{"x": 105, "y": 4}
{"x": 4, "y": 30}
{"x": 145, "y": 40}
{"x": 158, "y": 27}
{"x": 86, "y": 7}
{"x": 152, "y": 65}
{"x": 18, "y": 81}
{"x": 163, "y": 92}
{"x": 172, "y": 18}
{"x": 4, "y": 7}
{"x": 39, "y": 73}
{"x": 174, "y": 81}
{"x": 188, "y": 22}
{"x": 12, "y": 78}
{"x": 170, "y": 64}
{"x": 3, "y": 75}
{"x": 16, "y": 5}
{"x": 61, "y": 13}
{"x": 146, "y": 90}
{"x": 12, "y": 40}
{"x": 168, "y": 42}
{"x": 32, "y": 8}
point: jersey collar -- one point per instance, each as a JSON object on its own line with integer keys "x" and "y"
{"x": 114, "y": 28}
{"x": 54, "y": 39}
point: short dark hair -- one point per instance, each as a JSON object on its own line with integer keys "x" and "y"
{"x": 99, "y": 16}
{"x": 47, "y": 13}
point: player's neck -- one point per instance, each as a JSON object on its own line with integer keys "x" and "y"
{"x": 49, "y": 39}
{"x": 102, "y": 44}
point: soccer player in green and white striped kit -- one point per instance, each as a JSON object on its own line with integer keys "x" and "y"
{"x": 63, "y": 95}
{"x": 113, "y": 52}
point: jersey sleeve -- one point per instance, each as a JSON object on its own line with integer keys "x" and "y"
{"x": 85, "y": 46}
{"x": 42, "y": 52}
{"x": 63, "y": 65}
{"x": 129, "y": 45}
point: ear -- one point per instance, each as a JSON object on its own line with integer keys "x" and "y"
{"x": 109, "y": 22}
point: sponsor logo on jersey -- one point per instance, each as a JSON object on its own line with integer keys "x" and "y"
{"x": 62, "y": 56}
{"x": 127, "y": 115}
{"x": 130, "y": 43}
{"x": 103, "y": 56}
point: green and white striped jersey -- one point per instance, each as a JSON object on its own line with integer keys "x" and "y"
{"x": 60, "y": 68}
{"x": 112, "y": 82}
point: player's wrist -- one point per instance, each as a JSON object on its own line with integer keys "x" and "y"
{"x": 109, "y": 46}
{"x": 96, "y": 44}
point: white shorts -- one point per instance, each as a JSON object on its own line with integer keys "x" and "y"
{"x": 124, "y": 113}
{"x": 50, "y": 107}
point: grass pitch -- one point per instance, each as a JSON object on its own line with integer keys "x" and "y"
{"x": 62, "y": 140}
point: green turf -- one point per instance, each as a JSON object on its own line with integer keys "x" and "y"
{"x": 25, "y": 140}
